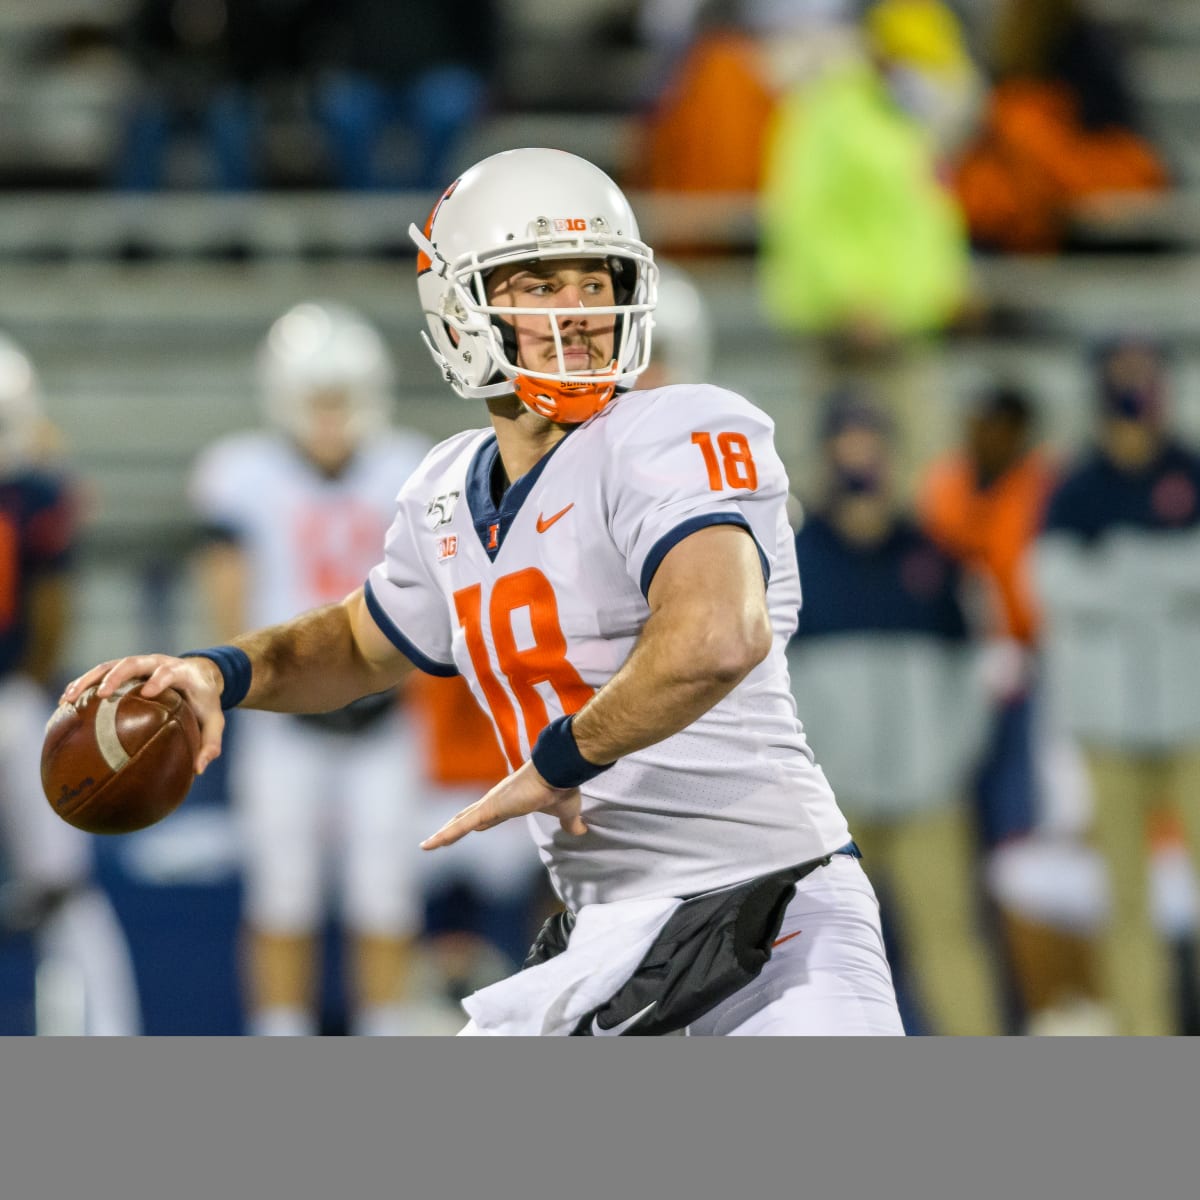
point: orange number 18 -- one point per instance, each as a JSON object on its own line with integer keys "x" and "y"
{"x": 544, "y": 662}
{"x": 735, "y": 459}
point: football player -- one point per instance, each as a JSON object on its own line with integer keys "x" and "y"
{"x": 85, "y": 982}
{"x": 613, "y": 572}
{"x": 295, "y": 514}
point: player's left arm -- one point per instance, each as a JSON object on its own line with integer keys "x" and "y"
{"x": 708, "y": 629}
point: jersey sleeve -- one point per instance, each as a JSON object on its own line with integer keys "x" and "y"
{"x": 403, "y": 598}
{"x": 691, "y": 458}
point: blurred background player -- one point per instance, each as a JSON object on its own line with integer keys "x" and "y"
{"x": 296, "y": 514}
{"x": 84, "y": 982}
{"x": 884, "y": 667}
{"x": 1118, "y": 570}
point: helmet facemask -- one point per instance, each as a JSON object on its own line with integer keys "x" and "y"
{"x": 473, "y": 340}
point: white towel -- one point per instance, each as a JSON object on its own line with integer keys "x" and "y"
{"x": 605, "y": 947}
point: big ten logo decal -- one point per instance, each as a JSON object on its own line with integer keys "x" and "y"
{"x": 570, "y": 225}
{"x": 337, "y": 543}
{"x": 521, "y": 624}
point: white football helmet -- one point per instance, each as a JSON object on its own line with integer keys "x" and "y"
{"x": 20, "y": 405}
{"x": 319, "y": 347}
{"x": 520, "y": 205}
{"x": 683, "y": 331}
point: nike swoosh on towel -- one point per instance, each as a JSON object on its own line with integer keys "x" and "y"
{"x": 598, "y": 1030}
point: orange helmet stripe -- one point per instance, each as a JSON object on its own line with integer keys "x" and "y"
{"x": 424, "y": 263}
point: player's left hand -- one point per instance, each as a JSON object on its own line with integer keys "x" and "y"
{"x": 524, "y": 791}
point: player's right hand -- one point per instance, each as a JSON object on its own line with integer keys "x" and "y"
{"x": 522, "y": 792}
{"x": 198, "y": 680}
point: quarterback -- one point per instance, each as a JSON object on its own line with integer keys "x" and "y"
{"x": 613, "y": 573}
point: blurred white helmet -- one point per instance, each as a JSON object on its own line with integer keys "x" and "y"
{"x": 683, "y": 331}
{"x": 20, "y": 405}
{"x": 317, "y": 348}
{"x": 521, "y": 205}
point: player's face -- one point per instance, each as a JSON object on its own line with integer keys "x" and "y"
{"x": 329, "y": 441}
{"x": 587, "y": 340}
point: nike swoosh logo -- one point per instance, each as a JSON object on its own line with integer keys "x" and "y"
{"x": 599, "y": 1031}
{"x": 544, "y": 523}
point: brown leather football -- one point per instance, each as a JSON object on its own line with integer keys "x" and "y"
{"x": 121, "y": 763}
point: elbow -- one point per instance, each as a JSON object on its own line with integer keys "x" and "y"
{"x": 731, "y": 653}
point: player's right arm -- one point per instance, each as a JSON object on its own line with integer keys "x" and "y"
{"x": 316, "y": 662}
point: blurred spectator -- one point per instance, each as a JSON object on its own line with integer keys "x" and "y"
{"x": 296, "y": 515}
{"x": 883, "y": 665}
{"x": 858, "y": 233}
{"x": 861, "y": 243}
{"x": 1061, "y": 128}
{"x": 203, "y": 66}
{"x": 923, "y": 52}
{"x": 707, "y": 129}
{"x": 984, "y": 504}
{"x": 725, "y": 66}
{"x": 84, "y": 982}
{"x": 428, "y": 74}
{"x": 1118, "y": 573}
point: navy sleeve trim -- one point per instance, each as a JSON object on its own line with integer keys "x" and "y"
{"x": 429, "y": 665}
{"x": 669, "y": 541}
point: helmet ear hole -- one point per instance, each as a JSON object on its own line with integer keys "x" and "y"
{"x": 624, "y": 278}
{"x": 508, "y": 337}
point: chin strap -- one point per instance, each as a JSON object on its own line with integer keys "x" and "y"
{"x": 569, "y": 403}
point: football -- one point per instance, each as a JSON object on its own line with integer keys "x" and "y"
{"x": 121, "y": 763}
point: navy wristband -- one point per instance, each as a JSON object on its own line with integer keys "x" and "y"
{"x": 557, "y": 759}
{"x": 234, "y": 665}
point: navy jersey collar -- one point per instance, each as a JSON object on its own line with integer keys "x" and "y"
{"x": 493, "y": 522}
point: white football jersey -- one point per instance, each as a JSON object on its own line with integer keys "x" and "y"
{"x": 538, "y": 602}
{"x": 309, "y": 539}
